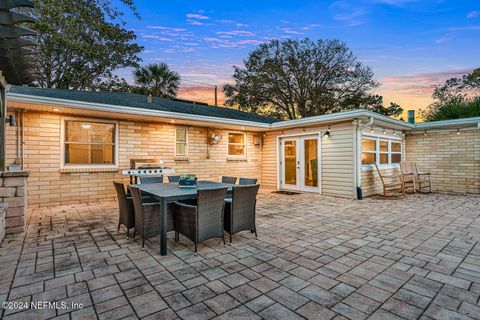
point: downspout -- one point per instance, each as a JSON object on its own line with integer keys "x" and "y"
{"x": 358, "y": 154}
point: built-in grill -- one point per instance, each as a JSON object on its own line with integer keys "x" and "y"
{"x": 146, "y": 168}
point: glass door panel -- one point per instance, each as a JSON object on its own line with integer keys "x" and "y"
{"x": 290, "y": 161}
{"x": 310, "y": 147}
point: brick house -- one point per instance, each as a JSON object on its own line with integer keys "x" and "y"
{"x": 74, "y": 144}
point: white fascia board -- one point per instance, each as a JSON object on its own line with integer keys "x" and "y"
{"x": 340, "y": 116}
{"x": 448, "y": 123}
{"x": 129, "y": 110}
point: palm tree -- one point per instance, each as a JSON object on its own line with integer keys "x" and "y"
{"x": 157, "y": 79}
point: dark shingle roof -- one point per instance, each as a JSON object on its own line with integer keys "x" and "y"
{"x": 140, "y": 101}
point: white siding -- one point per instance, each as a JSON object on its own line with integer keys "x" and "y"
{"x": 337, "y": 158}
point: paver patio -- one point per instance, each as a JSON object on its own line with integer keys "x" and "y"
{"x": 315, "y": 257}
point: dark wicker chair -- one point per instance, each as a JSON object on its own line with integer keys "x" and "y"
{"x": 203, "y": 221}
{"x": 147, "y": 220}
{"x": 231, "y": 180}
{"x": 240, "y": 210}
{"x": 247, "y": 181}
{"x": 146, "y": 180}
{"x": 173, "y": 178}
{"x": 125, "y": 208}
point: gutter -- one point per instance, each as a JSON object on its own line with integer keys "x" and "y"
{"x": 340, "y": 116}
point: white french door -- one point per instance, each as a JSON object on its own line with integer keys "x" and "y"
{"x": 299, "y": 163}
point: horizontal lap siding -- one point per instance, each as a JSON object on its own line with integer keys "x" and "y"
{"x": 337, "y": 158}
{"x": 453, "y": 160}
{"x": 48, "y": 186}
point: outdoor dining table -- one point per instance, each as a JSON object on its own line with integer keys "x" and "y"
{"x": 166, "y": 193}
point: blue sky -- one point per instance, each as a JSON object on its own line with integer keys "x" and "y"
{"x": 410, "y": 45}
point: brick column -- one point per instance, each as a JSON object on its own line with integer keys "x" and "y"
{"x": 3, "y": 212}
{"x": 13, "y": 193}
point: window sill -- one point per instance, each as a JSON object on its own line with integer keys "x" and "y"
{"x": 180, "y": 158}
{"x": 88, "y": 169}
{"x": 371, "y": 167}
{"x": 234, "y": 158}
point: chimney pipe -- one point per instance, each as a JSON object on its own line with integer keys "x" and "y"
{"x": 149, "y": 98}
{"x": 411, "y": 116}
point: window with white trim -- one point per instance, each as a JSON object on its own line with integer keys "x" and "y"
{"x": 380, "y": 150}
{"x": 369, "y": 150}
{"x": 89, "y": 142}
{"x": 237, "y": 144}
{"x": 181, "y": 141}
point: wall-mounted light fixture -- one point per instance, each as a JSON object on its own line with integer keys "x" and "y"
{"x": 372, "y": 130}
{"x": 384, "y": 131}
{"x": 425, "y": 133}
{"x": 458, "y": 131}
{"x": 327, "y": 133}
{"x": 394, "y": 132}
{"x": 11, "y": 120}
{"x": 403, "y": 133}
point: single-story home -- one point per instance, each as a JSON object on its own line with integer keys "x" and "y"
{"x": 75, "y": 143}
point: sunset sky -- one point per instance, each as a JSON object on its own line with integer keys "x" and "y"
{"x": 410, "y": 45}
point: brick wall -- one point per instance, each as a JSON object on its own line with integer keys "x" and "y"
{"x": 453, "y": 160}
{"x": 48, "y": 186}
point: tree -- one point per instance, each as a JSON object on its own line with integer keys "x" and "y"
{"x": 456, "y": 98}
{"x": 157, "y": 79}
{"x": 453, "y": 110}
{"x": 293, "y": 79}
{"x": 81, "y": 43}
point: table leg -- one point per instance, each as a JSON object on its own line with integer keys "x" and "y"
{"x": 163, "y": 233}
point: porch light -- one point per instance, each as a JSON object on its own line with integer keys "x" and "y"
{"x": 384, "y": 131}
{"x": 425, "y": 133}
{"x": 403, "y": 133}
{"x": 458, "y": 131}
{"x": 371, "y": 130}
{"x": 11, "y": 120}
{"x": 327, "y": 133}
{"x": 394, "y": 132}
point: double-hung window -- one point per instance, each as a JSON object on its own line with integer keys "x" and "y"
{"x": 237, "y": 145}
{"x": 369, "y": 154}
{"x": 380, "y": 150}
{"x": 89, "y": 142}
{"x": 181, "y": 142}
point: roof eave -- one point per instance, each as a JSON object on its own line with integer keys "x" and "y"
{"x": 130, "y": 110}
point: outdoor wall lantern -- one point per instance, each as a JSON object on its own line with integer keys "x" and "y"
{"x": 12, "y": 121}
{"x": 327, "y": 133}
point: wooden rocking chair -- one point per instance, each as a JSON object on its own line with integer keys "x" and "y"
{"x": 393, "y": 185}
{"x": 420, "y": 180}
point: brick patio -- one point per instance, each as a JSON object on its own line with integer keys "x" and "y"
{"x": 315, "y": 257}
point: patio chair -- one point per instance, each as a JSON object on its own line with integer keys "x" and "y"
{"x": 420, "y": 180}
{"x": 203, "y": 221}
{"x": 246, "y": 181}
{"x": 125, "y": 207}
{"x": 392, "y": 184}
{"x": 147, "y": 218}
{"x": 145, "y": 180}
{"x": 231, "y": 180}
{"x": 173, "y": 178}
{"x": 240, "y": 210}
{"x": 406, "y": 168}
